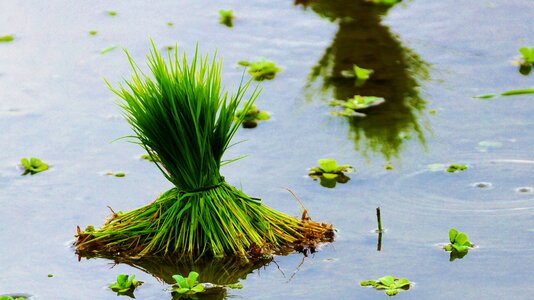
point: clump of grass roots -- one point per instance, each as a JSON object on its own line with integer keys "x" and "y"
{"x": 180, "y": 115}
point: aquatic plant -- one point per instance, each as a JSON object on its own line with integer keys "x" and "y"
{"x": 151, "y": 157}
{"x": 458, "y": 241}
{"x": 330, "y": 173}
{"x": 125, "y": 284}
{"x": 360, "y": 74}
{"x": 507, "y": 93}
{"x": 351, "y": 106}
{"x": 6, "y": 38}
{"x": 390, "y": 284}
{"x": 33, "y": 166}
{"x": 118, "y": 174}
{"x": 453, "y": 168}
{"x": 93, "y": 32}
{"x": 183, "y": 117}
{"x": 108, "y": 49}
{"x": 262, "y": 69}
{"x": 111, "y": 13}
{"x": 5, "y": 297}
{"x": 187, "y": 285}
{"x": 226, "y": 17}
{"x": 252, "y": 116}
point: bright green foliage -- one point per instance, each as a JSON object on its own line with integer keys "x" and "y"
{"x": 11, "y": 298}
{"x": 226, "y": 17}
{"x": 527, "y": 55}
{"x": 6, "y": 38}
{"x": 187, "y": 285}
{"x": 150, "y": 157}
{"x": 93, "y": 32}
{"x": 33, "y": 165}
{"x": 112, "y": 13}
{"x": 361, "y": 73}
{"x": 125, "y": 283}
{"x": 390, "y": 284}
{"x": 329, "y": 170}
{"x": 252, "y": 116}
{"x": 356, "y": 103}
{"x": 458, "y": 241}
{"x": 262, "y": 69}
{"x": 456, "y": 168}
{"x": 181, "y": 115}
{"x": 235, "y": 286}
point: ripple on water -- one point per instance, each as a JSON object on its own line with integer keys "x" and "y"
{"x": 493, "y": 187}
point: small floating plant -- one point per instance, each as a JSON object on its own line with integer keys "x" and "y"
{"x": 226, "y": 17}
{"x": 181, "y": 115}
{"x": 262, "y": 69}
{"x": 459, "y": 244}
{"x": 453, "y": 168}
{"x": 354, "y": 104}
{"x": 108, "y": 49}
{"x": 33, "y": 166}
{"x": 329, "y": 172}
{"x": 187, "y": 285}
{"x": 391, "y": 285}
{"x": 251, "y": 117}
{"x": 125, "y": 284}
{"x": 111, "y": 13}
{"x": 527, "y": 60}
{"x": 6, "y": 38}
{"x": 116, "y": 174}
{"x": 7, "y": 297}
{"x": 361, "y": 74}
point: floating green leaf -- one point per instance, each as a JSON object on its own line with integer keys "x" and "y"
{"x": 112, "y": 13}
{"x": 390, "y": 284}
{"x": 6, "y": 38}
{"x": 93, "y": 32}
{"x": 456, "y": 168}
{"x": 507, "y": 93}
{"x": 33, "y": 166}
{"x": 226, "y": 17}
{"x": 187, "y": 285}
{"x": 108, "y": 49}
{"x": 459, "y": 241}
{"x": 356, "y": 103}
{"x": 251, "y": 116}
{"x": 330, "y": 172}
{"x": 125, "y": 283}
{"x": 527, "y": 55}
{"x": 262, "y": 69}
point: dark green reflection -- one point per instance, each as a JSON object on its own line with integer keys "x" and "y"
{"x": 215, "y": 271}
{"x": 364, "y": 41}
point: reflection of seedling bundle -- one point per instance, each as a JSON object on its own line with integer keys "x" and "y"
{"x": 183, "y": 118}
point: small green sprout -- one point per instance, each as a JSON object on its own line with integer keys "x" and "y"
{"x": 33, "y": 166}
{"x": 187, "y": 285}
{"x": 108, "y": 49}
{"x": 453, "y": 168}
{"x": 93, "y": 32}
{"x": 252, "y": 116}
{"x": 527, "y": 60}
{"x": 391, "y": 284}
{"x": 226, "y": 17}
{"x": 125, "y": 284}
{"x": 6, "y": 38}
{"x": 360, "y": 74}
{"x": 356, "y": 103}
{"x": 458, "y": 241}
{"x": 262, "y": 69}
{"x": 111, "y": 13}
{"x": 329, "y": 172}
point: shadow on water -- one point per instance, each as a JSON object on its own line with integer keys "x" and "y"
{"x": 362, "y": 40}
{"x": 218, "y": 272}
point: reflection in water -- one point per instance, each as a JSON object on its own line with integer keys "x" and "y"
{"x": 215, "y": 271}
{"x": 364, "y": 41}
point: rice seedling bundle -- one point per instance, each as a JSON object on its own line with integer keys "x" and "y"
{"x": 181, "y": 116}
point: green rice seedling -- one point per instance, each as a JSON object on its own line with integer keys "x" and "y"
{"x": 181, "y": 115}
